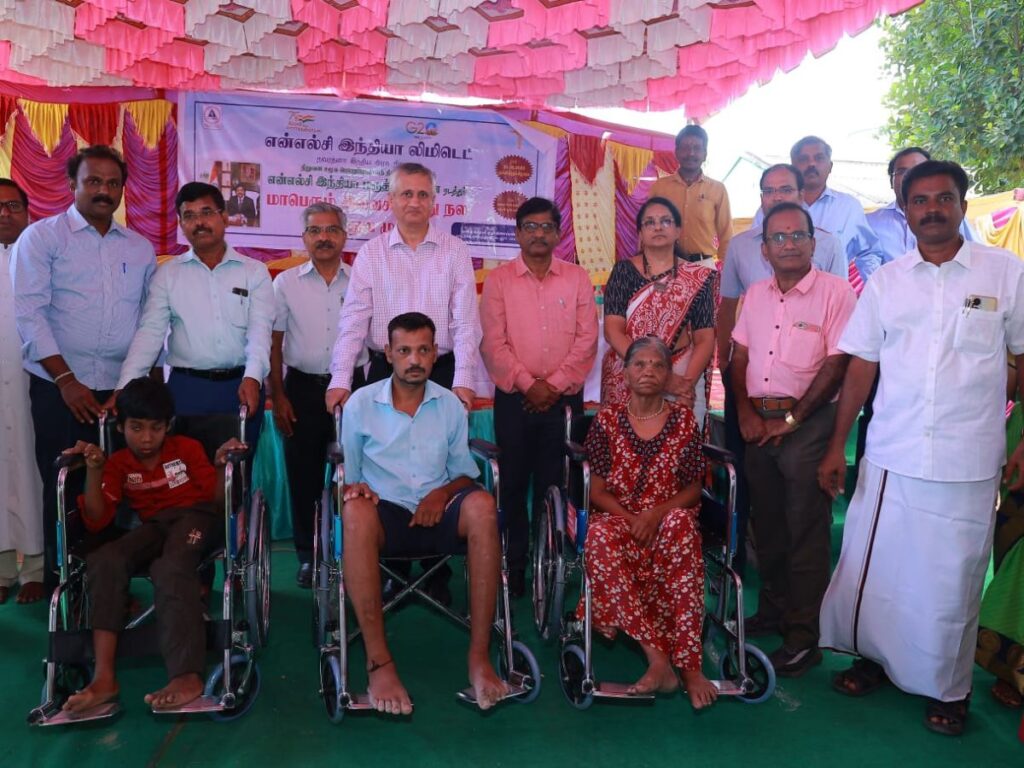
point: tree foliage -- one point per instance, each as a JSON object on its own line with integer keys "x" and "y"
{"x": 958, "y": 87}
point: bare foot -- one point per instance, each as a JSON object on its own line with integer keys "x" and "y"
{"x": 702, "y": 692}
{"x": 659, "y": 678}
{"x": 177, "y": 693}
{"x": 95, "y": 693}
{"x": 387, "y": 694}
{"x": 488, "y": 688}
{"x": 31, "y": 592}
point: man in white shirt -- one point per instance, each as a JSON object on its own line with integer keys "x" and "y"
{"x": 219, "y": 307}
{"x": 309, "y": 301}
{"x": 21, "y": 490}
{"x": 935, "y": 324}
{"x": 415, "y": 267}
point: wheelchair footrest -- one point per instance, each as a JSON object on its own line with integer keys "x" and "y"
{"x": 359, "y": 701}
{"x": 515, "y": 689}
{"x": 196, "y": 706}
{"x": 727, "y": 687}
{"x": 62, "y": 717}
{"x": 619, "y": 691}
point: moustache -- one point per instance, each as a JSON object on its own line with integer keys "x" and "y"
{"x": 810, "y": 170}
{"x": 934, "y": 218}
{"x": 103, "y": 199}
{"x": 415, "y": 369}
{"x": 325, "y": 244}
{"x": 201, "y": 231}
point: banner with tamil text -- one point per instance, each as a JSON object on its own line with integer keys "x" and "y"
{"x": 272, "y": 155}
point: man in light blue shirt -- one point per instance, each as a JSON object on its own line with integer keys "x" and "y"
{"x": 79, "y": 282}
{"x": 833, "y": 211}
{"x": 412, "y": 493}
{"x": 219, "y": 307}
{"x": 890, "y": 222}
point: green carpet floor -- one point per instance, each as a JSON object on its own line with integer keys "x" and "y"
{"x": 805, "y": 724}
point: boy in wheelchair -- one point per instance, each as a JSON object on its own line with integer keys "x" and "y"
{"x": 170, "y": 484}
{"x": 412, "y": 494}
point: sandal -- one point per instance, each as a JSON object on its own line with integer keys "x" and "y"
{"x": 954, "y": 713}
{"x": 1007, "y": 695}
{"x": 863, "y": 677}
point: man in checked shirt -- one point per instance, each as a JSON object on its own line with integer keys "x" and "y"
{"x": 415, "y": 267}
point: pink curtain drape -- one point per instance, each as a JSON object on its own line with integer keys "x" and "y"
{"x": 42, "y": 176}
{"x": 566, "y": 249}
{"x": 152, "y": 185}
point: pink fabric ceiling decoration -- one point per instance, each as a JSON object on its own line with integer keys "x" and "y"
{"x": 642, "y": 54}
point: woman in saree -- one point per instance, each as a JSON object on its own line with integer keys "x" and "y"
{"x": 643, "y": 546}
{"x": 658, "y": 293}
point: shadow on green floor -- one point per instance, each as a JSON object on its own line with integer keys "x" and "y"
{"x": 805, "y": 724}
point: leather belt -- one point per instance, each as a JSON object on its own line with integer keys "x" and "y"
{"x": 319, "y": 378}
{"x": 776, "y": 404}
{"x": 213, "y": 374}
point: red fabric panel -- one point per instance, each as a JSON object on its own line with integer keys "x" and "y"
{"x": 96, "y": 123}
{"x": 8, "y": 106}
{"x": 587, "y": 154}
{"x": 152, "y": 185}
{"x": 44, "y": 177}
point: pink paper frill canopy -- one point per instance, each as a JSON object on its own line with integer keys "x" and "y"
{"x": 643, "y": 54}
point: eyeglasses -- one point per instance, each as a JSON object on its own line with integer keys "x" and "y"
{"x": 786, "y": 190}
{"x": 333, "y": 229}
{"x": 664, "y": 222}
{"x": 12, "y": 206}
{"x": 779, "y": 238}
{"x": 190, "y": 217}
{"x": 543, "y": 226}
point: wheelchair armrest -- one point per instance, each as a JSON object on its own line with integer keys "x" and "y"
{"x": 577, "y": 452}
{"x": 718, "y": 455}
{"x": 484, "y": 449}
{"x": 70, "y": 460}
{"x": 335, "y": 455}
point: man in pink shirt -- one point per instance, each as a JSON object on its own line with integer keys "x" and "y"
{"x": 539, "y": 343}
{"x": 786, "y": 370}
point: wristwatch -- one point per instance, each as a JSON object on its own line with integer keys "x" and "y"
{"x": 791, "y": 420}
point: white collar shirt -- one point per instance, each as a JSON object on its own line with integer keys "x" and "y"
{"x": 308, "y": 311}
{"x": 940, "y": 335}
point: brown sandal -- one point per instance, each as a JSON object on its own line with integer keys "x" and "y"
{"x": 863, "y": 677}
{"x": 954, "y": 713}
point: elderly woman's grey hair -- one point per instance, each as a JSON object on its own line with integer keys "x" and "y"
{"x": 323, "y": 208}
{"x": 649, "y": 342}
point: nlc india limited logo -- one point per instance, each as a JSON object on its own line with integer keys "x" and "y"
{"x": 213, "y": 116}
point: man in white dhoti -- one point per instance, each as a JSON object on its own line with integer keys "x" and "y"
{"x": 936, "y": 324}
{"x": 21, "y": 490}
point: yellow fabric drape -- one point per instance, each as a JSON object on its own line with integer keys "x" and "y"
{"x": 46, "y": 120}
{"x": 550, "y": 130}
{"x": 150, "y": 118}
{"x": 1009, "y": 236}
{"x": 593, "y": 216}
{"x": 631, "y": 162}
{"x": 7, "y": 147}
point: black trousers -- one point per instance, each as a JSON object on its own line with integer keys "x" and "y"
{"x": 171, "y": 545}
{"x": 531, "y": 445}
{"x": 865, "y": 418}
{"x": 305, "y": 450}
{"x": 734, "y": 442}
{"x": 56, "y": 429}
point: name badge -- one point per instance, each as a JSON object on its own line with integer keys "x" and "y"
{"x": 176, "y": 473}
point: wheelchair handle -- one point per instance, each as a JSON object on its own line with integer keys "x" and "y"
{"x": 236, "y": 455}
{"x": 337, "y": 424}
{"x": 69, "y": 460}
{"x": 243, "y": 414}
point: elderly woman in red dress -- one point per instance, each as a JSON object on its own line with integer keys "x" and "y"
{"x": 643, "y": 548}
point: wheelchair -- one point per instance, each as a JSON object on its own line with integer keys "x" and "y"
{"x": 560, "y": 530}
{"x": 233, "y": 685}
{"x": 515, "y": 662}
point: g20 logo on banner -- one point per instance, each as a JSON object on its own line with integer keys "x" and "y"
{"x": 419, "y": 128}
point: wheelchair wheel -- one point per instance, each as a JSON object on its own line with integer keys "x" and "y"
{"x": 523, "y": 662}
{"x": 245, "y": 679}
{"x": 330, "y": 686}
{"x": 572, "y": 671}
{"x": 759, "y": 670}
{"x": 257, "y": 597}
{"x": 549, "y": 565}
{"x": 321, "y": 570}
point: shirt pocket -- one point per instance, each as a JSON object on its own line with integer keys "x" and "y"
{"x": 977, "y": 331}
{"x": 803, "y": 348}
{"x": 129, "y": 283}
{"x": 237, "y": 307}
